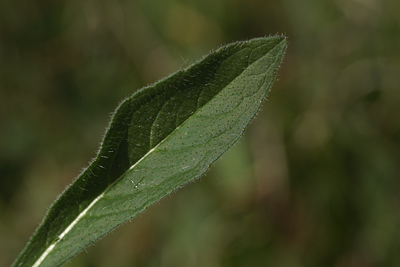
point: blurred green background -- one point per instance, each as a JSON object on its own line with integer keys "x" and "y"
{"x": 315, "y": 180}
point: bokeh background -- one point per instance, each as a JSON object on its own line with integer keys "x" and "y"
{"x": 315, "y": 181}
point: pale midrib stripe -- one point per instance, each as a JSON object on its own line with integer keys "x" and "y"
{"x": 84, "y": 212}
{"x": 61, "y": 236}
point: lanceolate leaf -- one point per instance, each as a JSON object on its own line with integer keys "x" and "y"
{"x": 159, "y": 139}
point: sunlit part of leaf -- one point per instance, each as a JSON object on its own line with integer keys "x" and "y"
{"x": 159, "y": 139}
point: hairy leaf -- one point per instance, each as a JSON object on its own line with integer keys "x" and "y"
{"x": 159, "y": 139}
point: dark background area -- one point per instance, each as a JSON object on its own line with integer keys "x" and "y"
{"x": 315, "y": 180}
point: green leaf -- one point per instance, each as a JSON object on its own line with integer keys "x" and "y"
{"x": 159, "y": 139}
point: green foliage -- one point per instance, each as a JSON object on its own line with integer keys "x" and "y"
{"x": 314, "y": 181}
{"x": 159, "y": 139}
